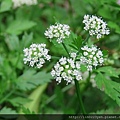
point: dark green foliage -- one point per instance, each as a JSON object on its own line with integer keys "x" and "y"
{"x": 25, "y": 25}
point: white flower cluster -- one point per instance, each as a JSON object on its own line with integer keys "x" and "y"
{"x": 92, "y": 57}
{"x": 59, "y": 31}
{"x": 18, "y": 3}
{"x": 96, "y": 26}
{"x": 67, "y": 69}
{"x": 36, "y": 55}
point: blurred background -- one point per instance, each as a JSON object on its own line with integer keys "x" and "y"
{"x": 24, "y": 25}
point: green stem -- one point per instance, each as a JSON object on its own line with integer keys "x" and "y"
{"x": 86, "y": 39}
{"x": 7, "y": 96}
{"x": 79, "y": 97}
{"x": 66, "y": 49}
{"x": 83, "y": 43}
{"x": 54, "y": 57}
{"x": 77, "y": 86}
{"x": 70, "y": 10}
{"x": 88, "y": 79}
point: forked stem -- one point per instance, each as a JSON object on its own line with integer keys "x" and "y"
{"x": 77, "y": 86}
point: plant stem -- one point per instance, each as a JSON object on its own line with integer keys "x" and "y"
{"x": 54, "y": 57}
{"x": 77, "y": 86}
{"x": 66, "y": 49}
{"x": 7, "y": 96}
{"x": 83, "y": 43}
{"x": 86, "y": 39}
{"x": 79, "y": 97}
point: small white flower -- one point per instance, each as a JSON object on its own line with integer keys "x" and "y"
{"x": 63, "y": 61}
{"x": 36, "y": 55}
{"x": 75, "y": 72}
{"x": 64, "y": 74}
{"x": 78, "y": 77}
{"x": 67, "y": 66}
{"x": 73, "y": 55}
{"x": 58, "y": 31}
{"x": 96, "y": 26}
{"x": 18, "y": 3}
{"x": 85, "y": 53}
{"x": 69, "y": 71}
{"x": 58, "y": 79}
{"x": 61, "y": 68}
{"x": 91, "y": 56}
{"x": 53, "y": 72}
{"x": 89, "y": 67}
{"x": 95, "y": 63}
{"x": 99, "y": 36}
{"x": 101, "y": 60}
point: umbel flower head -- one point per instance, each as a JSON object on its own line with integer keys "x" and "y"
{"x": 67, "y": 69}
{"x": 58, "y": 31}
{"x": 96, "y": 26}
{"x": 92, "y": 57}
{"x": 36, "y": 55}
{"x": 18, "y": 3}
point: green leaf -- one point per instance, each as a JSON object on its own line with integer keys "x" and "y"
{"x": 107, "y": 111}
{"x": 105, "y": 52}
{"x": 72, "y": 38}
{"x": 114, "y": 26}
{"x": 17, "y": 101}
{"x": 6, "y": 110}
{"x": 26, "y": 110}
{"x": 111, "y": 88}
{"x": 105, "y": 12}
{"x": 109, "y": 71}
{"x": 26, "y": 40}
{"x": 83, "y": 68}
{"x": 5, "y": 5}
{"x": 77, "y": 41}
{"x": 30, "y": 79}
{"x": 18, "y": 26}
{"x": 35, "y": 96}
{"x": 12, "y": 42}
{"x": 58, "y": 48}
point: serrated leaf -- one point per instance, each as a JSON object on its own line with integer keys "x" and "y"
{"x": 26, "y": 110}
{"x": 77, "y": 42}
{"x": 18, "y": 26}
{"x": 26, "y": 40}
{"x": 12, "y": 42}
{"x": 109, "y": 71}
{"x": 6, "y": 110}
{"x": 17, "y": 101}
{"x": 30, "y": 79}
{"x": 111, "y": 88}
{"x": 5, "y": 5}
{"x": 107, "y": 111}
